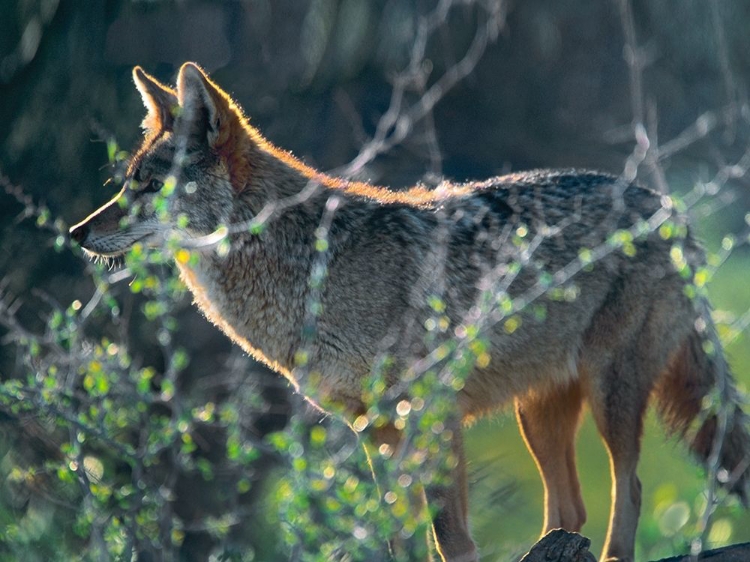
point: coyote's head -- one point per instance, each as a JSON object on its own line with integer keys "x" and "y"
{"x": 193, "y": 162}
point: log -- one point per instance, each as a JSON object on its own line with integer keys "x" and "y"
{"x": 731, "y": 553}
{"x": 562, "y": 546}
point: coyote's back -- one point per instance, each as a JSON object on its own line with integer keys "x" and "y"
{"x": 577, "y": 284}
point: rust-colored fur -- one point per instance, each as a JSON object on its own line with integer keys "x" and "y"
{"x": 610, "y": 332}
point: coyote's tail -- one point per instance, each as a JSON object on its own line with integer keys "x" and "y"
{"x": 718, "y": 433}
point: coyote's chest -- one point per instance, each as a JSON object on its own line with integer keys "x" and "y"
{"x": 246, "y": 306}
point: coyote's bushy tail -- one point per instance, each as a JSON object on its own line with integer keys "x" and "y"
{"x": 717, "y": 430}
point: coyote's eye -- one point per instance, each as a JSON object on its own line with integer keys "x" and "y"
{"x": 152, "y": 186}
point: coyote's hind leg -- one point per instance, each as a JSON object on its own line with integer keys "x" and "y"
{"x": 621, "y": 431}
{"x": 618, "y": 403}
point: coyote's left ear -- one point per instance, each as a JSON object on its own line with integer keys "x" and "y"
{"x": 207, "y": 112}
{"x": 160, "y": 101}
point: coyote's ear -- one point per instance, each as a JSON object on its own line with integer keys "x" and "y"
{"x": 209, "y": 117}
{"x": 160, "y": 101}
{"x": 207, "y": 111}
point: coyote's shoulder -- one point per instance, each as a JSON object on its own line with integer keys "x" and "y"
{"x": 549, "y": 288}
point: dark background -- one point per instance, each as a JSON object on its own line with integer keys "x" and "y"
{"x": 552, "y": 91}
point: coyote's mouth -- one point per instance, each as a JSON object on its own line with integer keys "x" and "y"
{"x": 95, "y": 254}
{"x": 115, "y": 256}
{"x": 113, "y": 260}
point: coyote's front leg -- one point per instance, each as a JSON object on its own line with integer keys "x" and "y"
{"x": 450, "y": 505}
{"x": 447, "y": 501}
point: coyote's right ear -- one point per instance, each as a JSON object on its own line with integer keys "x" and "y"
{"x": 160, "y": 100}
{"x": 207, "y": 111}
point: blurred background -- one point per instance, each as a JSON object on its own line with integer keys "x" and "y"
{"x": 652, "y": 87}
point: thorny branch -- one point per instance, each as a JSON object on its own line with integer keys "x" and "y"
{"x": 397, "y": 122}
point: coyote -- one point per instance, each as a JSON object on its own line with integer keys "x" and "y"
{"x": 609, "y": 264}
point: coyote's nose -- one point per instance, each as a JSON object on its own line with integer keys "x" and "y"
{"x": 79, "y": 232}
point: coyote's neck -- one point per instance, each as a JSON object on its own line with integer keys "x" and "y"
{"x": 256, "y": 293}
{"x": 235, "y": 305}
